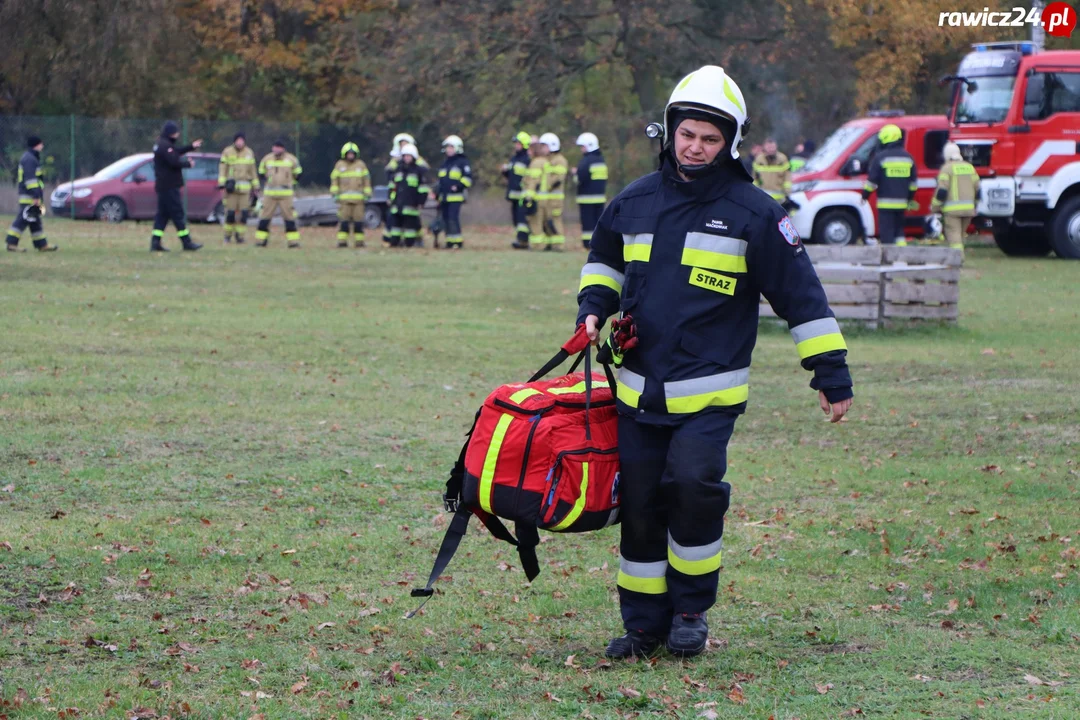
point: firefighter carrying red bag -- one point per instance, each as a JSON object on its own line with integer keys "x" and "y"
{"x": 543, "y": 455}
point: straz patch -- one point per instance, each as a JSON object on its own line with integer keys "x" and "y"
{"x": 712, "y": 281}
{"x": 787, "y": 229}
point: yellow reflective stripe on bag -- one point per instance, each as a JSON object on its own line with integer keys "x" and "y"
{"x": 491, "y": 460}
{"x": 579, "y": 504}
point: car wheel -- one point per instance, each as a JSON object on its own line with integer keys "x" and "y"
{"x": 373, "y": 217}
{"x": 836, "y": 227}
{"x": 1022, "y": 241}
{"x": 1065, "y": 229}
{"x": 218, "y": 214}
{"x": 110, "y": 209}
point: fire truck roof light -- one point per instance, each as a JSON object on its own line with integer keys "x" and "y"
{"x": 1023, "y": 47}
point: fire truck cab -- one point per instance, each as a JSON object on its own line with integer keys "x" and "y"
{"x": 1016, "y": 116}
{"x": 828, "y": 188}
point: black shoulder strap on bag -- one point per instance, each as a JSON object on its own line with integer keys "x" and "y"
{"x": 526, "y": 542}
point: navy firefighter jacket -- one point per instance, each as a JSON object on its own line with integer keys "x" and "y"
{"x": 688, "y": 261}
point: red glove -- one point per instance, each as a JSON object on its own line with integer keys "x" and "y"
{"x": 623, "y": 334}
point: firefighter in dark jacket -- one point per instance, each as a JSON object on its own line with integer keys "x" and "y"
{"x": 169, "y": 165}
{"x": 410, "y": 189}
{"x": 892, "y": 175}
{"x": 592, "y": 176}
{"x": 515, "y": 171}
{"x": 454, "y": 181}
{"x": 685, "y": 254}
{"x": 31, "y": 199}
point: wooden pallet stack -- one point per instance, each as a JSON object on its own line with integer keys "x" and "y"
{"x": 880, "y": 286}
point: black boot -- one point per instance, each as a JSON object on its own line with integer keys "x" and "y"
{"x": 633, "y": 644}
{"x": 191, "y": 246}
{"x": 517, "y": 245}
{"x": 688, "y": 635}
{"x": 156, "y": 246}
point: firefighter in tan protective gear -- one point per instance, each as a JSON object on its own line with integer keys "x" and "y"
{"x": 772, "y": 171}
{"x": 237, "y": 176}
{"x": 956, "y": 195}
{"x": 280, "y": 168}
{"x": 545, "y": 185}
{"x": 350, "y": 184}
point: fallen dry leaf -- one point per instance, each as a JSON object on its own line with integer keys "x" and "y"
{"x": 822, "y": 689}
{"x": 141, "y": 713}
{"x": 736, "y": 695}
{"x": 299, "y": 686}
{"x": 629, "y": 692}
{"x": 1033, "y": 680}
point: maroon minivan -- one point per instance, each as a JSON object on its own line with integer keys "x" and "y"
{"x": 125, "y": 190}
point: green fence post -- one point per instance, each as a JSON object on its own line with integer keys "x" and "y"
{"x": 297, "y": 139}
{"x": 71, "y": 197}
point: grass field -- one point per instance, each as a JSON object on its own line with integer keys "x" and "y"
{"x": 221, "y": 476}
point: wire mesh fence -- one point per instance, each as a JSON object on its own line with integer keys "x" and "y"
{"x": 78, "y": 147}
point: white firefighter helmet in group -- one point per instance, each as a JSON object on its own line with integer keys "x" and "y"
{"x": 709, "y": 89}
{"x": 455, "y": 142}
{"x": 404, "y": 137}
{"x": 589, "y": 141}
{"x": 551, "y": 140}
{"x": 410, "y": 149}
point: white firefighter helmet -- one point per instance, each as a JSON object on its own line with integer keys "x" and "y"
{"x": 455, "y": 142}
{"x": 410, "y": 149}
{"x": 951, "y": 151}
{"x": 933, "y": 226}
{"x": 551, "y": 140}
{"x": 403, "y": 137}
{"x": 395, "y": 153}
{"x": 710, "y": 89}
{"x": 588, "y": 141}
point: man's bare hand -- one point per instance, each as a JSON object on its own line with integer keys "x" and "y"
{"x": 197, "y": 144}
{"x": 592, "y": 323}
{"x": 838, "y": 410}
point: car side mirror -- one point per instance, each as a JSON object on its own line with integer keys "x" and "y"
{"x": 851, "y": 167}
{"x": 139, "y": 178}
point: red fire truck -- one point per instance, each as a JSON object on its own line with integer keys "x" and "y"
{"x": 828, "y": 188}
{"x": 1016, "y": 116}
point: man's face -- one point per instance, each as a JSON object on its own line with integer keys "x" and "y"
{"x": 517, "y": 146}
{"x": 450, "y": 151}
{"x": 350, "y": 156}
{"x": 770, "y": 147}
{"x": 39, "y": 147}
{"x": 799, "y": 148}
{"x": 279, "y": 150}
{"x": 583, "y": 149}
{"x": 408, "y": 159}
{"x": 239, "y": 143}
{"x": 698, "y": 142}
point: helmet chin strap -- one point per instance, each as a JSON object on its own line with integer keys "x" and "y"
{"x": 700, "y": 170}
